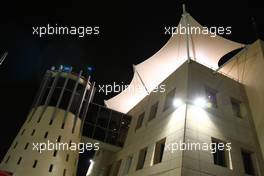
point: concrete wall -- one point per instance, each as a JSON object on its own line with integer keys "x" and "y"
{"x": 248, "y": 68}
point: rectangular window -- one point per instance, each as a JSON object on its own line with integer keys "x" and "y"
{"x": 127, "y": 165}
{"x": 19, "y": 160}
{"x": 159, "y": 150}
{"x": 26, "y": 146}
{"x": 51, "y": 168}
{"x": 236, "y": 107}
{"x": 248, "y": 164}
{"x": 211, "y": 97}
{"x": 222, "y": 157}
{"x": 169, "y": 99}
{"x": 153, "y": 111}
{"x": 141, "y": 158}
{"x": 140, "y": 120}
{"x": 35, "y": 163}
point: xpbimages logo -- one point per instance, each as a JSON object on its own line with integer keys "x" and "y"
{"x": 80, "y": 31}
{"x": 196, "y": 30}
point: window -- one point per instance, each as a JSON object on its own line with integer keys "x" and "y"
{"x": 6, "y": 161}
{"x": 67, "y": 157}
{"x": 159, "y": 150}
{"x": 55, "y": 153}
{"x": 141, "y": 158}
{"x": 51, "y": 168}
{"x": 140, "y": 120}
{"x": 127, "y": 165}
{"x": 46, "y": 135}
{"x": 211, "y": 97}
{"x": 33, "y": 132}
{"x": 59, "y": 139}
{"x": 15, "y": 145}
{"x": 222, "y": 157}
{"x": 26, "y": 146}
{"x": 23, "y": 132}
{"x": 236, "y": 107}
{"x": 169, "y": 99}
{"x": 247, "y": 161}
{"x": 35, "y": 163}
{"x": 19, "y": 160}
{"x": 153, "y": 111}
{"x": 64, "y": 172}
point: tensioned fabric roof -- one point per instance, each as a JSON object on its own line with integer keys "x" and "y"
{"x": 203, "y": 48}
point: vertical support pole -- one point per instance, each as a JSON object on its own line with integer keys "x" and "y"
{"x": 87, "y": 107}
{"x": 71, "y": 99}
{"x": 60, "y": 97}
{"x": 81, "y": 103}
{"x": 184, "y": 15}
{"x": 53, "y": 86}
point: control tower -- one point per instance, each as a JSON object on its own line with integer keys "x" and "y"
{"x": 56, "y": 117}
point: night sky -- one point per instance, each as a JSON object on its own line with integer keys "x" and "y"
{"x": 129, "y": 34}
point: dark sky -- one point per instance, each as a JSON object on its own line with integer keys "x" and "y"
{"x": 129, "y": 34}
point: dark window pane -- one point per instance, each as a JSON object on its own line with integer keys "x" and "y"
{"x": 92, "y": 114}
{"x": 141, "y": 158}
{"x": 103, "y": 117}
{"x": 114, "y": 124}
{"x": 236, "y": 107}
{"x": 88, "y": 130}
{"x": 65, "y": 99}
{"x": 211, "y": 97}
{"x": 140, "y": 120}
{"x": 112, "y": 138}
{"x": 55, "y": 97}
{"x": 153, "y": 111}
{"x": 99, "y": 134}
{"x": 219, "y": 155}
{"x": 247, "y": 161}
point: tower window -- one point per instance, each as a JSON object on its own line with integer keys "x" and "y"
{"x": 247, "y": 162}
{"x": 26, "y": 146}
{"x": 6, "y": 161}
{"x": 159, "y": 150}
{"x": 15, "y": 145}
{"x": 59, "y": 139}
{"x": 19, "y": 160}
{"x": 153, "y": 111}
{"x": 35, "y": 163}
{"x": 169, "y": 99}
{"x": 236, "y": 107}
{"x": 211, "y": 97}
{"x": 51, "y": 168}
{"x": 64, "y": 172}
{"x": 140, "y": 120}
{"x": 33, "y": 132}
{"x": 46, "y": 135}
{"x": 67, "y": 157}
{"x": 55, "y": 153}
{"x": 141, "y": 158}
{"x": 23, "y": 132}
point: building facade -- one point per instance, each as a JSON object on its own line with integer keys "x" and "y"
{"x": 157, "y": 126}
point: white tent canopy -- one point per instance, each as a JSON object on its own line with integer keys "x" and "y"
{"x": 203, "y": 48}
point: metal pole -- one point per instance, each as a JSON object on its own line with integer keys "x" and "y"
{"x": 71, "y": 99}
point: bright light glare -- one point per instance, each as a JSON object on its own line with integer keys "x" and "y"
{"x": 90, "y": 168}
{"x": 200, "y": 102}
{"x": 177, "y": 102}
